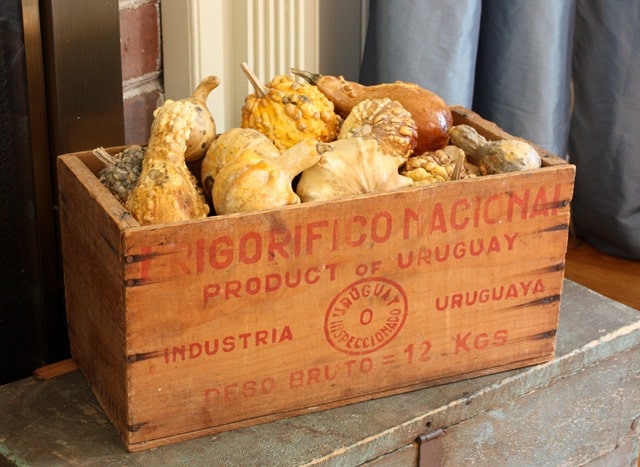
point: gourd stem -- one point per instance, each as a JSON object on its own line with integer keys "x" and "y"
{"x": 311, "y": 78}
{"x": 261, "y": 91}
{"x": 298, "y": 158}
{"x": 457, "y": 169}
{"x": 103, "y": 156}
{"x": 205, "y": 87}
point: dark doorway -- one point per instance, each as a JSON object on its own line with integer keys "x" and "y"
{"x": 60, "y": 91}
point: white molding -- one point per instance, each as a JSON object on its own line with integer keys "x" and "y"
{"x": 212, "y": 37}
{"x": 193, "y": 38}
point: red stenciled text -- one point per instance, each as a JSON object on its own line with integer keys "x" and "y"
{"x": 282, "y": 244}
{"x": 489, "y": 294}
{"x": 326, "y": 373}
{"x": 465, "y": 213}
{"x": 469, "y": 341}
{"x": 236, "y": 392}
{"x": 457, "y": 250}
{"x": 226, "y": 344}
{"x": 272, "y": 282}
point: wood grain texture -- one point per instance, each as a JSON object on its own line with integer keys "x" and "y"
{"x": 192, "y": 328}
{"x": 614, "y": 277}
{"x": 58, "y": 421}
{"x": 91, "y": 221}
{"x": 55, "y": 369}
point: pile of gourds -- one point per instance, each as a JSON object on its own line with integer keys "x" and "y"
{"x": 300, "y": 140}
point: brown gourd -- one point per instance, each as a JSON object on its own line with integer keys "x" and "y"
{"x": 430, "y": 112}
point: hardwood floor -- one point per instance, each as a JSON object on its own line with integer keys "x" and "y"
{"x": 613, "y": 277}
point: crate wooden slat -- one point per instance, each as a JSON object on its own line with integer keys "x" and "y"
{"x": 193, "y": 328}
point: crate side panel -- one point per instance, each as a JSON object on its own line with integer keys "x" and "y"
{"x": 248, "y": 316}
{"x": 90, "y": 242}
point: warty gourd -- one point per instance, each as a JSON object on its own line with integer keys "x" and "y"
{"x": 287, "y": 111}
{"x": 386, "y": 121}
{"x": 122, "y": 170}
{"x": 448, "y": 163}
{"x": 166, "y": 190}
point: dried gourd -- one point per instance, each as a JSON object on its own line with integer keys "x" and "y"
{"x": 506, "y": 155}
{"x": 202, "y": 126}
{"x": 256, "y": 179}
{"x": 386, "y": 121}
{"x": 226, "y": 147}
{"x": 287, "y": 111}
{"x": 122, "y": 170}
{"x": 350, "y": 167}
{"x": 439, "y": 166}
{"x": 166, "y": 190}
{"x": 430, "y": 112}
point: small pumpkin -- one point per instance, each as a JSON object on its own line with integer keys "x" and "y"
{"x": 287, "y": 111}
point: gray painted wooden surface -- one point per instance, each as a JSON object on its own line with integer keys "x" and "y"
{"x": 577, "y": 408}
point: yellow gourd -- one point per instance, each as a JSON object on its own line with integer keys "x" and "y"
{"x": 448, "y": 163}
{"x": 287, "y": 111}
{"x": 166, "y": 190}
{"x": 202, "y": 125}
{"x": 229, "y": 145}
{"x": 350, "y": 167}
{"x": 246, "y": 173}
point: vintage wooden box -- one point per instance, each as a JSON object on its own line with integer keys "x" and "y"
{"x": 188, "y": 329}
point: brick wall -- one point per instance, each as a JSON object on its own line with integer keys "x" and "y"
{"x": 140, "y": 43}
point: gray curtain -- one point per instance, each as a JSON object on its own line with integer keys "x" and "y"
{"x": 514, "y": 62}
{"x": 605, "y": 129}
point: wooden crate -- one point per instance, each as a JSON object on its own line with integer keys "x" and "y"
{"x": 193, "y": 328}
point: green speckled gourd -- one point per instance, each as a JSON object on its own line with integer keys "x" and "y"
{"x": 492, "y": 157}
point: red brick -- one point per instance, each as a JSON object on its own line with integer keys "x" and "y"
{"x": 140, "y": 40}
{"x": 138, "y": 115}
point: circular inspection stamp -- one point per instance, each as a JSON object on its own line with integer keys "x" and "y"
{"x": 366, "y": 315}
